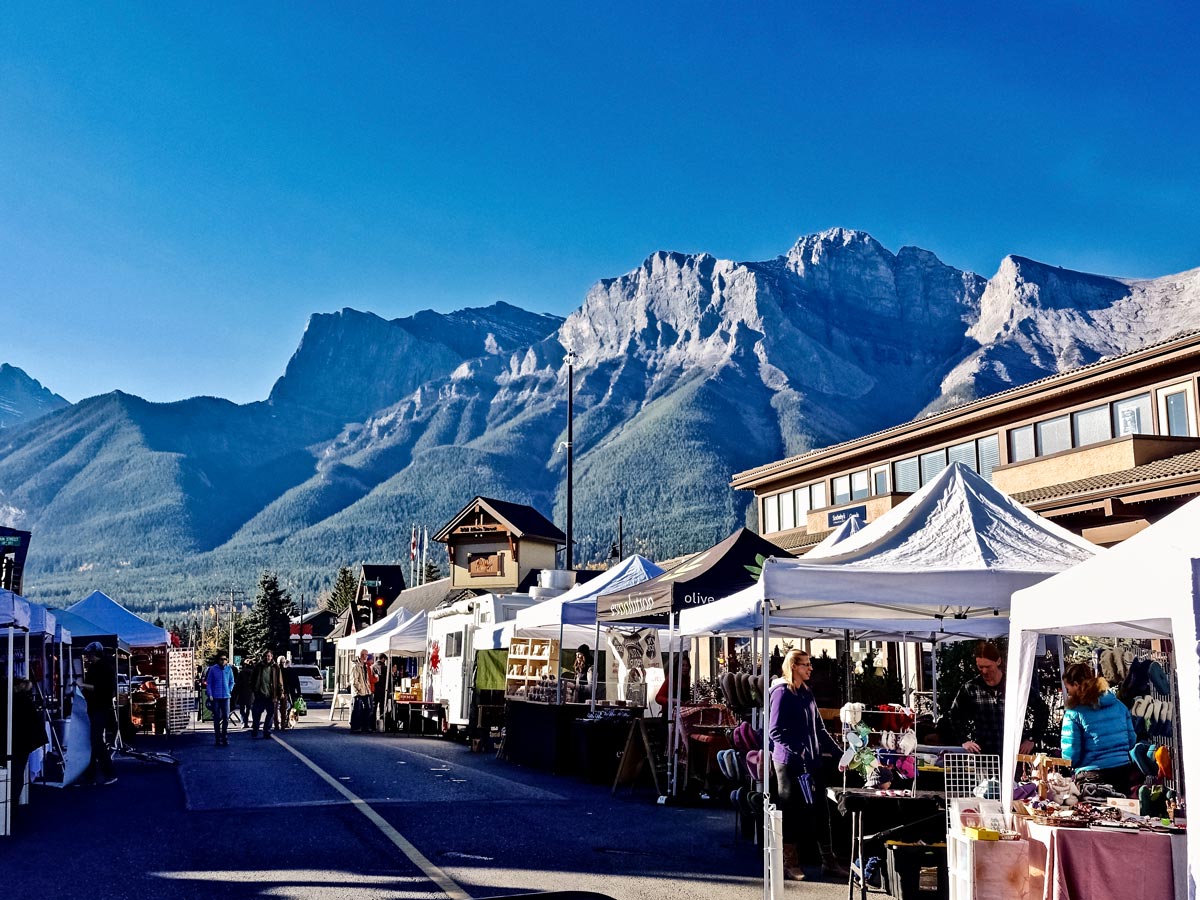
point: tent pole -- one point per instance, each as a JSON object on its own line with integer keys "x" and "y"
{"x": 768, "y": 839}
{"x": 595, "y": 666}
{"x": 558, "y": 674}
{"x": 849, "y": 664}
{"x": 933, "y": 652}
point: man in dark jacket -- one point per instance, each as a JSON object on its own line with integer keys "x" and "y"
{"x": 100, "y": 691}
{"x": 977, "y": 714}
{"x": 267, "y": 684}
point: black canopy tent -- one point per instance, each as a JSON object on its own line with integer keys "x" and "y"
{"x": 723, "y": 569}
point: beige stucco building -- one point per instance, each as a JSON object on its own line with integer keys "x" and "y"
{"x": 1104, "y": 450}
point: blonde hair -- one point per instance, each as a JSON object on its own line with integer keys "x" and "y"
{"x": 789, "y": 666}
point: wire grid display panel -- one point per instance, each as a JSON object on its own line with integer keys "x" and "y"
{"x": 970, "y": 775}
{"x": 181, "y": 690}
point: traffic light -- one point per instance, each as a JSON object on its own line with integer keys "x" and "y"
{"x": 363, "y": 615}
{"x": 377, "y": 610}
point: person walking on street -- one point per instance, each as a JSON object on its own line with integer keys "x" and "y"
{"x": 360, "y": 682}
{"x": 243, "y": 692}
{"x": 379, "y": 691}
{"x": 100, "y": 691}
{"x": 218, "y": 686}
{"x": 291, "y": 691}
{"x": 267, "y": 685}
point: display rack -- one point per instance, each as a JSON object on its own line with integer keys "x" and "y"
{"x": 968, "y": 776}
{"x": 181, "y": 692}
{"x": 531, "y": 662}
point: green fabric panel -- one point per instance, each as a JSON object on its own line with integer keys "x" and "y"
{"x": 491, "y": 669}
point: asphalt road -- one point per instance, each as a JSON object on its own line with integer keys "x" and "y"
{"x": 322, "y": 814}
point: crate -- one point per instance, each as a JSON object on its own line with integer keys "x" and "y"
{"x": 917, "y": 871}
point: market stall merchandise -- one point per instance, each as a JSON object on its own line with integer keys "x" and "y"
{"x": 1148, "y": 587}
{"x": 950, "y": 556}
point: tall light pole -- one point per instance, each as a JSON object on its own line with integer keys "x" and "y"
{"x": 570, "y": 456}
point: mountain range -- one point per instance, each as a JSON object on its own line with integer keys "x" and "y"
{"x": 687, "y": 369}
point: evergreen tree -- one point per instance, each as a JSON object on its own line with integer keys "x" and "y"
{"x": 268, "y": 627}
{"x": 432, "y": 572}
{"x": 344, "y": 590}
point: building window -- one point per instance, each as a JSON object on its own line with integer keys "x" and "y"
{"x": 770, "y": 514}
{"x": 859, "y": 486}
{"x": 965, "y": 454}
{"x": 907, "y": 475}
{"x": 1174, "y": 415}
{"x": 818, "y": 495}
{"x": 931, "y": 464}
{"x": 454, "y": 644}
{"x": 1021, "y": 444}
{"x": 879, "y": 481}
{"x": 787, "y": 510}
{"x": 1132, "y": 416}
{"x": 802, "y": 506}
{"x": 989, "y": 455}
{"x": 841, "y": 490}
{"x": 1092, "y": 425}
{"x": 1054, "y": 435}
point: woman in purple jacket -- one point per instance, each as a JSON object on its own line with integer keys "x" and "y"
{"x": 798, "y": 743}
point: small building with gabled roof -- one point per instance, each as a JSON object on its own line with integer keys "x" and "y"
{"x": 493, "y": 545}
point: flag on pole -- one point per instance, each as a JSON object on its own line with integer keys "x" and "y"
{"x": 424, "y": 554}
{"x": 412, "y": 550}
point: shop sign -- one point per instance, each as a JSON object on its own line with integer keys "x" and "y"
{"x": 838, "y": 516}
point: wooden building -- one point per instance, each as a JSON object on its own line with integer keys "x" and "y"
{"x": 494, "y": 546}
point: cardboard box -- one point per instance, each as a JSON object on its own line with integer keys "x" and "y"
{"x": 1128, "y": 807}
{"x": 982, "y": 834}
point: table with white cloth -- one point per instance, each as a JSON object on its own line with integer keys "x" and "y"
{"x": 1096, "y": 864}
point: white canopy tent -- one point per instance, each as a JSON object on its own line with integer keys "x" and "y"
{"x": 578, "y": 605}
{"x": 948, "y": 558}
{"x": 373, "y": 634}
{"x": 1146, "y": 587}
{"x": 406, "y": 638}
{"x": 851, "y": 525}
{"x": 955, "y": 550}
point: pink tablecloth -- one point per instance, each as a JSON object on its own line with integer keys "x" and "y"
{"x": 1083, "y": 864}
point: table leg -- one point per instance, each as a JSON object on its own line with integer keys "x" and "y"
{"x": 854, "y": 831}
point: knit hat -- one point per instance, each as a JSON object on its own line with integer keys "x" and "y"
{"x": 1162, "y": 756}
{"x": 1142, "y": 755}
{"x": 723, "y": 764}
{"x": 754, "y": 764}
{"x": 1159, "y": 679}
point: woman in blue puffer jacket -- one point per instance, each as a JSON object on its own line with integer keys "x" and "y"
{"x": 1097, "y": 731}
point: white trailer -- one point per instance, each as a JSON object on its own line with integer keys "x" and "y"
{"x": 450, "y": 648}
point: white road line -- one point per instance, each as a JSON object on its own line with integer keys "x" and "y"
{"x": 447, "y": 884}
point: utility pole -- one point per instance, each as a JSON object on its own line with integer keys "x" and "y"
{"x": 570, "y": 456}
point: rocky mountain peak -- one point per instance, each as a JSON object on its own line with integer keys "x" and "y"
{"x": 23, "y": 398}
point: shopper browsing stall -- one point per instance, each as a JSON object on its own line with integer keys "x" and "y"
{"x": 799, "y": 740}
{"x": 100, "y": 691}
{"x": 1097, "y": 730}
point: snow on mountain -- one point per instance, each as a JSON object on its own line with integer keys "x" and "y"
{"x": 688, "y": 369}
{"x": 23, "y": 399}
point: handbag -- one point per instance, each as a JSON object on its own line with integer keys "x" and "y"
{"x": 300, "y": 707}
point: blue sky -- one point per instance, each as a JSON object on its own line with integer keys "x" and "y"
{"x": 182, "y": 185}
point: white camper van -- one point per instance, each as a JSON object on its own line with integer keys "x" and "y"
{"x": 450, "y": 648}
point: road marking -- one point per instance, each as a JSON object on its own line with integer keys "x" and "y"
{"x": 447, "y": 884}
